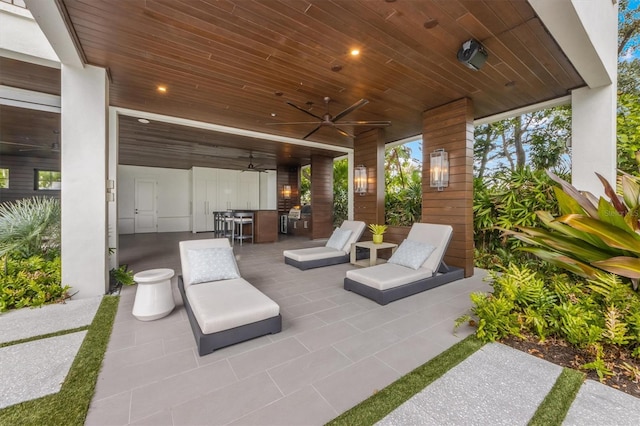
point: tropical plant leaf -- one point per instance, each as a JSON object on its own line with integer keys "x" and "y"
{"x": 621, "y": 265}
{"x": 608, "y": 213}
{"x": 571, "y": 190}
{"x": 611, "y": 193}
{"x": 567, "y": 245}
{"x": 630, "y": 192}
{"x": 612, "y": 235}
{"x": 563, "y": 261}
{"x": 551, "y": 222}
{"x": 566, "y": 203}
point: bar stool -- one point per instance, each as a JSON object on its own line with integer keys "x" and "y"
{"x": 240, "y": 219}
{"x": 226, "y": 225}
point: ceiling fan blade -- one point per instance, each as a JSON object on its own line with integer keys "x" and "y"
{"x": 359, "y": 104}
{"x": 304, "y": 110}
{"x": 19, "y": 144}
{"x": 364, "y": 123}
{"x": 312, "y": 132}
{"x": 292, "y": 122}
{"x": 344, "y": 133}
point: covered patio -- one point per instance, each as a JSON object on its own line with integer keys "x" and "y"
{"x": 217, "y": 82}
{"x": 336, "y": 348}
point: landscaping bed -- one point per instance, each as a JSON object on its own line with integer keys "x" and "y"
{"x": 559, "y": 352}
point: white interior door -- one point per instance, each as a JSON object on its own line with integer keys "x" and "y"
{"x": 146, "y": 215}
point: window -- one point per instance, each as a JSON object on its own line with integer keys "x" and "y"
{"x": 4, "y": 178}
{"x": 47, "y": 180}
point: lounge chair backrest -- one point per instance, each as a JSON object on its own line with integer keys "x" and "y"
{"x": 435, "y": 235}
{"x": 185, "y": 246}
{"x": 357, "y": 228}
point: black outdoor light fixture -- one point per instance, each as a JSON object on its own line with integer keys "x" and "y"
{"x": 472, "y": 54}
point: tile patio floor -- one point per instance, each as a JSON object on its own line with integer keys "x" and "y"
{"x": 335, "y": 350}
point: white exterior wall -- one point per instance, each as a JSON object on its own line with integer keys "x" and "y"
{"x": 173, "y": 192}
{"x": 21, "y": 38}
{"x": 587, "y": 32}
{"x": 84, "y": 175}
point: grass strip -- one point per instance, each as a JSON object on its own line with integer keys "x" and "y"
{"x": 70, "y": 405}
{"x": 556, "y": 404}
{"x": 388, "y": 399}
{"x": 44, "y": 336}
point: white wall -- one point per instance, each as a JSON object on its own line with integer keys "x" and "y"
{"x": 21, "y": 37}
{"x": 268, "y": 190}
{"x": 174, "y": 197}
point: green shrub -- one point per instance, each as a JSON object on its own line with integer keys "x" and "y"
{"x": 586, "y": 313}
{"x": 30, "y": 282}
{"x": 30, "y": 227}
{"x": 507, "y": 201}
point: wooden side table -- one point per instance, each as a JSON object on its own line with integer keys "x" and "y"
{"x": 373, "y": 252}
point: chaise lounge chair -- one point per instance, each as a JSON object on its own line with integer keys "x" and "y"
{"x": 223, "y": 308}
{"x": 415, "y": 266}
{"x": 334, "y": 252}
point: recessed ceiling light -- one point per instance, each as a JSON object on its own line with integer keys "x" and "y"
{"x": 278, "y": 93}
{"x": 336, "y": 68}
{"x": 162, "y": 89}
{"x": 143, "y": 121}
{"x": 510, "y": 84}
{"x": 355, "y": 52}
{"x": 273, "y": 114}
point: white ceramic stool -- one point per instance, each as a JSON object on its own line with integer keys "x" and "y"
{"x": 154, "y": 298}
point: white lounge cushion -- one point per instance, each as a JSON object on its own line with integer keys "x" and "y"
{"x": 339, "y": 238}
{"x": 357, "y": 228}
{"x": 212, "y": 264}
{"x": 411, "y": 254}
{"x": 222, "y": 305}
{"x": 387, "y": 275}
{"x": 313, "y": 253}
{"x": 435, "y": 235}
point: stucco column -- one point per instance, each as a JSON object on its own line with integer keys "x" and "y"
{"x": 84, "y": 175}
{"x": 593, "y": 136}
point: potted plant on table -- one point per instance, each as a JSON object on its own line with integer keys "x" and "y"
{"x": 377, "y": 231}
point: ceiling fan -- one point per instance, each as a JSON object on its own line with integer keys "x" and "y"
{"x": 54, "y": 147}
{"x": 253, "y": 168}
{"x": 327, "y": 120}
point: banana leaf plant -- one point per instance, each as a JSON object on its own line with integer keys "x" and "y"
{"x": 590, "y": 235}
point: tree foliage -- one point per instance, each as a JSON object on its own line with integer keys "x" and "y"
{"x": 403, "y": 187}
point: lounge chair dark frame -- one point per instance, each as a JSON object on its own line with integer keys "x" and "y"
{"x": 208, "y": 343}
{"x": 446, "y": 274}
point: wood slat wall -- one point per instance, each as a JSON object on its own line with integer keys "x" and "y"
{"x": 21, "y": 176}
{"x": 369, "y": 151}
{"x": 321, "y": 196}
{"x": 451, "y": 127}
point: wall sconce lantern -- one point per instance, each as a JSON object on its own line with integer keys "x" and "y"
{"x": 439, "y": 169}
{"x": 286, "y": 192}
{"x": 360, "y": 180}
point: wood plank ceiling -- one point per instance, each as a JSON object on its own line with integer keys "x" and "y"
{"x": 237, "y": 63}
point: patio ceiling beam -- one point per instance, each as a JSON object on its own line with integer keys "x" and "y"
{"x": 227, "y": 129}
{"x": 578, "y": 28}
{"x": 29, "y": 99}
{"x": 52, "y": 19}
